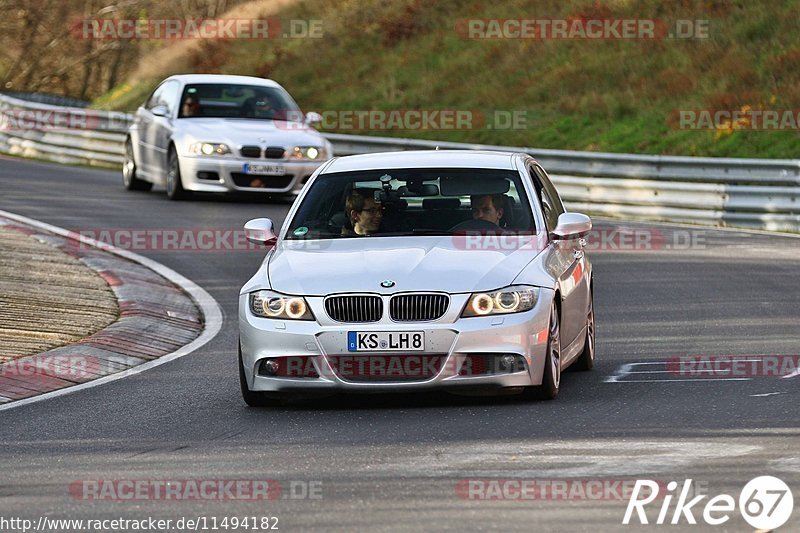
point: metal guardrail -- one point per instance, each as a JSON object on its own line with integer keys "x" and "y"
{"x": 45, "y": 98}
{"x": 751, "y": 193}
{"x": 67, "y": 135}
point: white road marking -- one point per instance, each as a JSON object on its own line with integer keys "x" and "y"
{"x": 626, "y": 370}
{"x": 765, "y": 394}
{"x": 688, "y": 380}
{"x": 621, "y": 371}
{"x": 212, "y": 313}
{"x": 786, "y": 464}
{"x": 650, "y": 372}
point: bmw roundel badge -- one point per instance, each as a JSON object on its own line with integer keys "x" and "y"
{"x": 387, "y": 283}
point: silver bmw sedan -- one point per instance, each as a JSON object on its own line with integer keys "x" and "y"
{"x": 415, "y": 270}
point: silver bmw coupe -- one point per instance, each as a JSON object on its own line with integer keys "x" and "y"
{"x": 407, "y": 271}
{"x": 220, "y": 133}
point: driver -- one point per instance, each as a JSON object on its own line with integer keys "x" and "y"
{"x": 363, "y": 212}
{"x": 191, "y": 107}
{"x": 488, "y": 207}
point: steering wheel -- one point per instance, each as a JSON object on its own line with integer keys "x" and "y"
{"x": 476, "y": 224}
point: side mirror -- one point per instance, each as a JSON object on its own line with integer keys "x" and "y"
{"x": 259, "y": 231}
{"x": 572, "y": 226}
{"x": 160, "y": 111}
{"x": 313, "y": 118}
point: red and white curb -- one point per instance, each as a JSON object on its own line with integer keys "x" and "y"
{"x": 119, "y": 347}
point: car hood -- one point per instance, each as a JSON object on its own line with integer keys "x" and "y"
{"x": 318, "y": 268}
{"x": 240, "y": 132}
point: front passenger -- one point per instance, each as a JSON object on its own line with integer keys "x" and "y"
{"x": 363, "y": 212}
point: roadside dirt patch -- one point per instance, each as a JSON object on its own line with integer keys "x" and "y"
{"x": 47, "y": 297}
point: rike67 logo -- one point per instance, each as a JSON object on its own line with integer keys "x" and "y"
{"x": 765, "y": 503}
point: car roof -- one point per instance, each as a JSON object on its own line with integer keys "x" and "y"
{"x": 223, "y": 78}
{"x": 424, "y": 159}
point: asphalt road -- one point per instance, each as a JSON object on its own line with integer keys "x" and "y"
{"x": 395, "y": 462}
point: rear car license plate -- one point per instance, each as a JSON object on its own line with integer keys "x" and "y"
{"x": 385, "y": 341}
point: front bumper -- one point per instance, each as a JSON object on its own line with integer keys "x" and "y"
{"x": 454, "y": 338}
{"x": 225, "y": 173}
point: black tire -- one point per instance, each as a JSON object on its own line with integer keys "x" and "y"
{"x": 175, "y": 190}
{"x": 586, "y": 360}
{"x": 551, "y": 381}
{"x": 254, "y": 398}
{"x": 129, "y": 179}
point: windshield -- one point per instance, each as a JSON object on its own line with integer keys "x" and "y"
{"x": 402, "y": 202}
{"x": 223, "y": 100}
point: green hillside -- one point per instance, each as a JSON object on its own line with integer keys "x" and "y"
{"x": 618, "y": 95}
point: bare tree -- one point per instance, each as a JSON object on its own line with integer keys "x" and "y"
{"x": 43, "y": 47}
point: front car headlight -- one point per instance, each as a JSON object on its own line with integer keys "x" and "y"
{"x": 205, "y": 148}
{"x": 269, "y": 304}
{"x": 515, "y": 299}
{"x": 309, "y": 153}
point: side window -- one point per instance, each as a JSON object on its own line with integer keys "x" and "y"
{"x": 153, "y": 100}
{"x": 165, "y": 95}
{"x": 551, "y": 202}
{"x": 169, "y": 96}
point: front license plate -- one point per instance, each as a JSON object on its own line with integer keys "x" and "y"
{"x": 385, "y": 341}
{"x": 263, "y": 170}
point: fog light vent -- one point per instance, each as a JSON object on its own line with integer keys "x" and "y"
{"x": 269, "y": 367}
{"x": 292, "y": 366}
{"x": 492, "y": 364}
{"x": 203, "y": 175}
